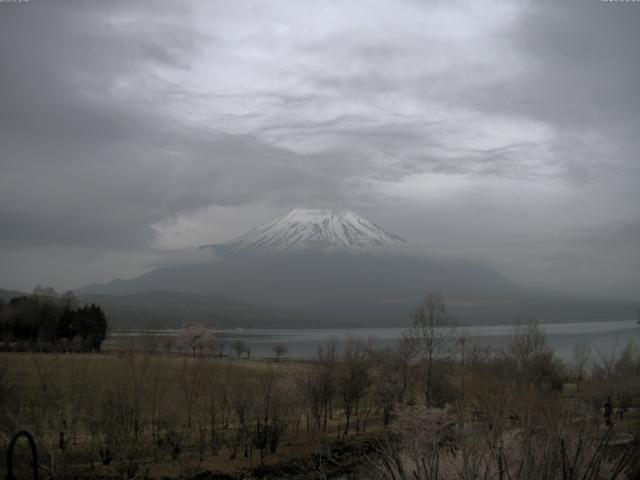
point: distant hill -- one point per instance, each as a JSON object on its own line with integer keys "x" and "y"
{"x": 334, "y": 268}
{"x": 7, "y": 295}
{"x": 329, "y": 268}
{"x": 159, "y": 309}
{"x": 170, "y": 309}
{"x": 332, "y": 285}
{"x": 363, "y": 290}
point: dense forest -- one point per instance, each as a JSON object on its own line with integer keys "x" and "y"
{"x": 48, "y": 321}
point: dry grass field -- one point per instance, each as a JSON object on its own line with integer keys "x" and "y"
{"x": 514, "y": 413}
{"x": 177, "y": 415}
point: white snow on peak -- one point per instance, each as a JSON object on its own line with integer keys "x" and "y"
{"x": 303, "y": 228}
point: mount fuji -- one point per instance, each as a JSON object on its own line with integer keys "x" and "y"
{"x": 310, "y": 229}
{"x": 321, "y": 268}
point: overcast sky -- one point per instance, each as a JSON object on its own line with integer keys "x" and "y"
{"x": 501, "y": 131}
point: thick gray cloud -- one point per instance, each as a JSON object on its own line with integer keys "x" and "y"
{"x": 504, "y": 131}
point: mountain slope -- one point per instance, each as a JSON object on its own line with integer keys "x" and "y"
{"x": 309, "y": 229}
{"x": 362, "y": 290}
{"x": 7, "y": 295}
{"x": 171, "y": 309}
{"x": 321, "y": 265}
{"x": 338, "y": 288}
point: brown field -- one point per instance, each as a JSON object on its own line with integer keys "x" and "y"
{"x": 65, "y": 392}
{"x": 516, "y": 413}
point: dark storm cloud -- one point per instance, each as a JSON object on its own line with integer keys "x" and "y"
{"x": 82, "y": 166}
{"x": 583, "y": 77}
{"x": 578, "y": 71}
{"x": 113, "y": 194}
{"x": 586, "y": 64}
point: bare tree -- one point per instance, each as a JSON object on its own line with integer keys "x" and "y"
{"x": 192, "y": 383}
{"x": 327, "y": 379}
{"x": 390, "y": 380}
{"x": 533, "y": 359}
{"x": 119, "y": 422}
{"x": 430, "y": 334}
{"x": 353, "y": 378}
{"x": 239, "y": 347}
{"x": 242, "y": 400}
{"x": 271, "y": 406}
{"x": 402, "y": 357}
{"x": 581, "y": 356}
{"x": 220, "y": 344}
{"x": 317, "y": 387}
{"x": 217, "y": 404}
{"x": 279, "y": 350}
{"x": 166, "y": 344}
{"x": 149, "y": 344}
{"x": 310, "y": 395}
{"x": 385, "y": 389}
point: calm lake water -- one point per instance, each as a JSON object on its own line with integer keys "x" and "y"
{"x": 604, "y": 338}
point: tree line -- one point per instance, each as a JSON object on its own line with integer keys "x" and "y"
{"x": 48, "y": 321}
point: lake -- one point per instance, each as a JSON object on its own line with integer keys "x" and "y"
{"x": 604, "y": 338}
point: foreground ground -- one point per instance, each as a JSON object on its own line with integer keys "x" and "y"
{"x": 75, "y": 397}
{"x": 517, "y": 413}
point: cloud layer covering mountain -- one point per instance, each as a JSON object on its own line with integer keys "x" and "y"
{"x": 503, "y": 132}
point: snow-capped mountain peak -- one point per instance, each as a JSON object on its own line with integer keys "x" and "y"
{"x": 318, "y": 229}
